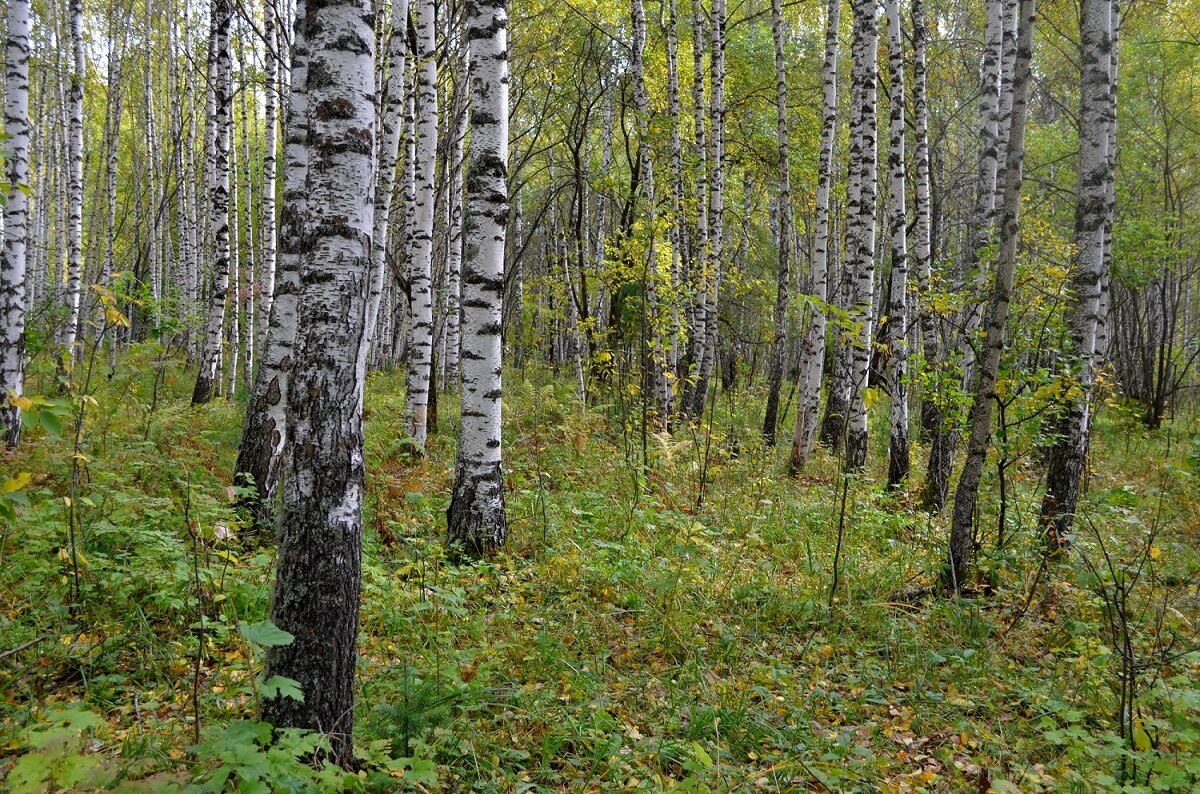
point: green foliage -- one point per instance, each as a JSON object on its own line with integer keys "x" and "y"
{"x": 58, "y": 756}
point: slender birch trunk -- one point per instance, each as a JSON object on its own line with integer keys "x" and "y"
{"x": 475, "y": 519}
{"x": 265, "y": 431}
{"x": 983, "y": 395}
{"x": 74, "y": 183}
{"x": 659, "y": 385}
{"x": 421, "y": 301}
{"x": 318, "y": 573}
{"x": 923, "y": 232}
{"x": 783, "y": 269}
{"x": 391, "y": 120}
{"x": 716, "y": 206}
{"x": 702, "y": 255}
{"x": 1068, "y": 456}
{"x": 812, "y": 348}
{"x": 16, "y": 221}
{"x": 860, "y": 237}
{"x": 897, "y": 311}
{"x": 944, "y": 430}
{"x": 454, "y": 244}
{"x": 266, "y": 282}
{"x": 206, "y": 380}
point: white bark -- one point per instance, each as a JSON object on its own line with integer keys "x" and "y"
{"x": 74, "y": 180}
{"x": 264, "y": 431}
{"x": 983, "y": 395}
{"x": 420, "y": 349}
{"x": 860, "y": 235}
{"x": 390, "y": 123}
{"x": 318, "y": 573}
{"x": 16, "y": 220}
{"x": 454, "y": 243}
{"x": 784, "y": 226}
{"x": 897, "y": 311}
{"x": 206, "y": 380}
{"x": 476, "y": 519}
{"x": 1069, "y": 454}
{"x": 812, "y": 350}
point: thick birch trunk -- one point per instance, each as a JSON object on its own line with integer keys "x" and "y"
{"x": 318, "y": 573}
{"x": 475, "y": 519}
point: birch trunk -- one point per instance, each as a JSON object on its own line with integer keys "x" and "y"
{"x": 812, "y": 348}
{"x": 860, "y": 237}
{"x": 206, "y": 380}
{"x": 701, "y": 257}
{"x": 318, "y": 573}
{"x": 16, "y": 221}
{"x": 454, "y": 242}
{"x": 923, "y": 232}
{"x": 74, "y": 184}
{"x": 716, "y": 206}
{"x": 266, "y": 282}
{"x": 655, "y": 361}
{"x": 897, "y": 311}
{"x": 391, "y": 121}
{"x": 476, "y": 520}
{"x": 1069, "y": 453}
{"x": 420, "y": 349}
{"x": 783, "y": 270}
{"x": 265, "y": 431}
{"x": 983, "y": 395}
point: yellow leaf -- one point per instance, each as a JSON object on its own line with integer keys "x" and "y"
{"x": 24, "y": 403}
{"x": 1155, "y": 552}
{"x": 1141, "y": 739}
{"x": 16, "y": 483}
{"x": 114, "y": 317}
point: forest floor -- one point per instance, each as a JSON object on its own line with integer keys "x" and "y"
{"x": 626, "y": 639}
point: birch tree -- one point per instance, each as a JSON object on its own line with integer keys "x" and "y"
{"x": 318, "y": 573}
{"x": 219, "y": 123}
{"x": 783, "y": 269}
{"x": 1096, "y": 114}
{"x": 476, "y": 520}
{"x": 74, "y": 183}
{"x": 265, "y": 428}
{"x": 983, "y": 394}
{"x": 897, "y": 304}
{"x": 16, "y": 221}
{"x": 391, "y": 118}
{"x": 420, "y": 349}
{"x": 812, "y": 346}
{"x": 860, "y": 234}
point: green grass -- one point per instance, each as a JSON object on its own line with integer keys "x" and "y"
{"x": 625, "y": 639}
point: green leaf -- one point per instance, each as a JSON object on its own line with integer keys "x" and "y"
{"x": 278, "y": 686}
{"x": 51, "y": 422}
{"x": 266, "y": 634}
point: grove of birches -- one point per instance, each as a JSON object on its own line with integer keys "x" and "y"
{"x": 577, "y": 395}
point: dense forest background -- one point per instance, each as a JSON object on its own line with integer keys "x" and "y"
{"x": 587, "y": 396}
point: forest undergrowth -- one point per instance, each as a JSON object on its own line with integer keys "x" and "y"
{"x": 628, "y": 638}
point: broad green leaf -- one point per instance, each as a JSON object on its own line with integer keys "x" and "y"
{"x": 266, "y": 634}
